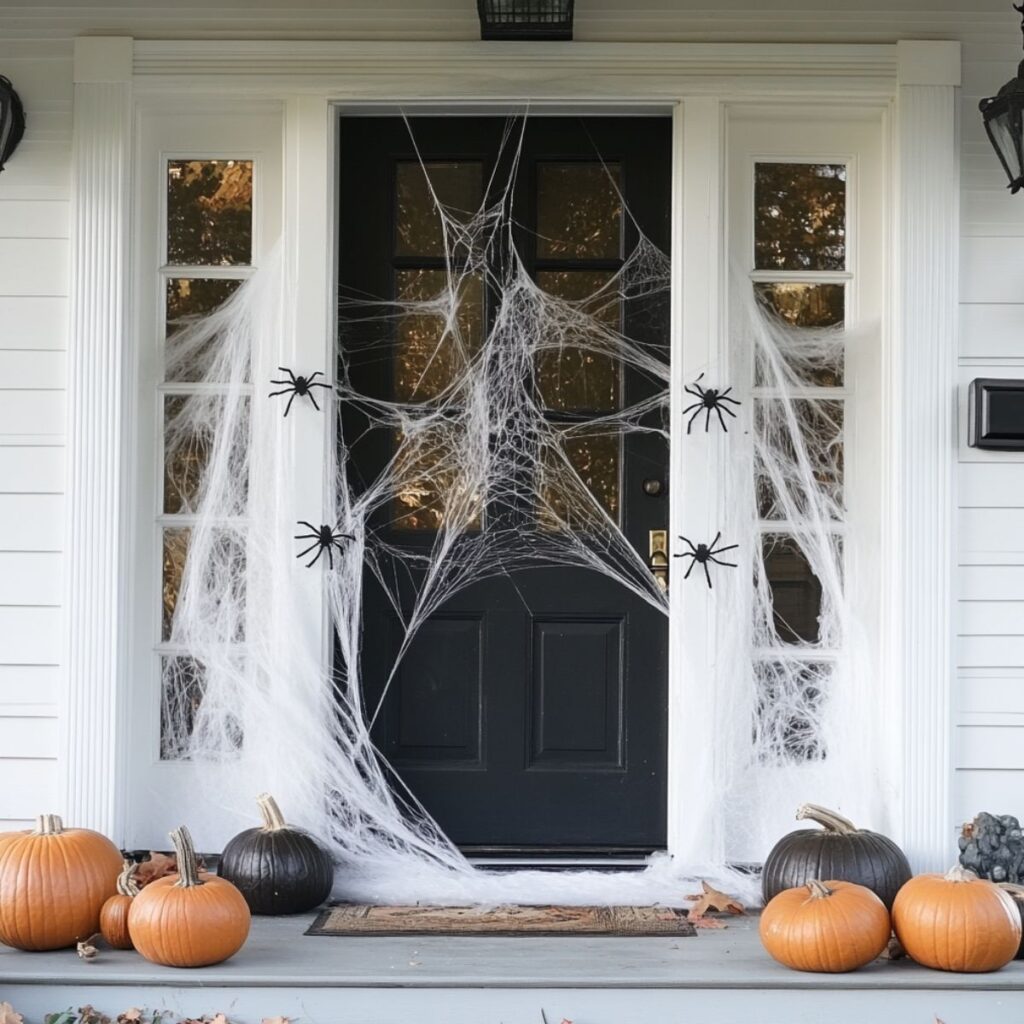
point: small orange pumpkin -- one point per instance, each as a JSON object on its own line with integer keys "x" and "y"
{"x": 114, "y": 915}
{"x": 825, "y": 926}
{"x": 957, "y": 922}
{"x": 53, "y": 882}
{"x": 188, "y": 920}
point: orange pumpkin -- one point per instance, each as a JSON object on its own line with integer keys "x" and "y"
{"x": 188, "y": 920}
{"x": 114, "y": 915}
{"x": 957, "y": 922}
{"x": 825, "y": 926}
{"x": 53, "y": 882}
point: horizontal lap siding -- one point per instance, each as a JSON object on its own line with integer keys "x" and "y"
{"x": 989, "y": 725}
{"x": 34, "y": 253}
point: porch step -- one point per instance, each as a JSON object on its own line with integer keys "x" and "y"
{"x": 722, "y": 976}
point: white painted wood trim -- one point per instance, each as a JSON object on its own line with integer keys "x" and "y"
{"x": 95, "y": 640}
{"x": 695, "y": 833}
{"x": 923, "y": 400}
{"x": 461, "y": 75}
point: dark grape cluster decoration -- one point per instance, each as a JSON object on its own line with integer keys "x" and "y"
{"x": 992, "y": 846}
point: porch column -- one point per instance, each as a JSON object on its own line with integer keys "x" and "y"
{"x": 96, "y": 524}
{"x": 923, "y": 418}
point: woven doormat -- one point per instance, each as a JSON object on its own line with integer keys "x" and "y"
{"x": 362, "y": 919}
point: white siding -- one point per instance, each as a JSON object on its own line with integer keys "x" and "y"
{"x": 33, "y": 332}
{"x": 35, "y": 52}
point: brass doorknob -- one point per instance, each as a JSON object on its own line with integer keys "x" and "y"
{"x": 657, "y": 557}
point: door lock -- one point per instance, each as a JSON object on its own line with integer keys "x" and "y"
{"x": 657, "y": 557}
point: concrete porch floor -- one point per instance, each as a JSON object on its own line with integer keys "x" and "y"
{"x": 722, "y": 976}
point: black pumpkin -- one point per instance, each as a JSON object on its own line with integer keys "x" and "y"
{"x": 277, "y": 868}
{"x": 1017, "y": 892}
{"x": 839, "y": 850}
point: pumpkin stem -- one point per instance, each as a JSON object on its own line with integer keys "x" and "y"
{"x": 273, "y": 819}
{"x": 188, "y": 868}
{"x": 126, "y": 884}
{"x": 958, "y": 873}
{"x": 49, "y": 825}
{"x": 818, "y": 890}
{"x": 832, "y": 821}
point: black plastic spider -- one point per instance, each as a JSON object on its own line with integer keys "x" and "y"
{"x": 325, "y": 539}
{"x": 704, "y": 553}
{"x": 298, "y": 386}
{"x": 711, "y": 400}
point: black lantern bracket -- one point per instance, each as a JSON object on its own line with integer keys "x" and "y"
{"x": 12, "y": 120}
{"x": 1003, "y": 115}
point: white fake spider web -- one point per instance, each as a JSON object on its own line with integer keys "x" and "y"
{"x": 271, "y": 717}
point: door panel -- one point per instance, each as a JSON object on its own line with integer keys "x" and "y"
{"x": 530, "y": 711}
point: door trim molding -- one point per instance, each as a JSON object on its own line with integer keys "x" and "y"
{"x": 916, "y": 79}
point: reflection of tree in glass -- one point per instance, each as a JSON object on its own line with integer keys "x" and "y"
{"x": 799, "y": 216}
{"x": 209, "y": 212}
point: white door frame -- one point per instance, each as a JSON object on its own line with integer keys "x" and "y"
{"x": 916, "y": 82}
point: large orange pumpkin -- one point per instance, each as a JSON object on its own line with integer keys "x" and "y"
{"x": 188, "y": 919}
{"x": 825, "y": 926}
{"x": 53, "y": 882}
{"x": 114, "y": 915}
{"x": 957, "y": 922}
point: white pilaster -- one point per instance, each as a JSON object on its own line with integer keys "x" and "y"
{"x": 96, "y": 526}
{"x": 923, "y": 400}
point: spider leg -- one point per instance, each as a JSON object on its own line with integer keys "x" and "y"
{"x": 694, "y": 416}
{"x": 313, "y": 400}
{"x": 717, "y": 562}
{"x": 690, "y": 391}
{"x": 346, "y": 536}
{"x": 726, "y": 409}
{"x": 330, "y": 556}
{"x": 718, "y": 537}
{"x": 696, "y": 405}
{"x": 684, "y": 554}
{"x": 287, "y": 388}
{"x": 686, "y": 575}
{"x": 707, "y": 420}
{"x": 307, "y": 536}
{"x": 313, "y": 376}
{"x": 288, "y": 407}
{"x": 315, "y": 529}
{"x": 315, "y": 558}
{"x": 718, "y": 413}
{"x": 731, "y": 547}
{"x": 722, "y": 394}
{"x": 689, "y": 542}
{"x": 707, "y": 576}
{"x": 319, "y": 384}
{"x": 307, "y": 551}
{"x": 735, "y": 401}
{"x": 284, "y": 369}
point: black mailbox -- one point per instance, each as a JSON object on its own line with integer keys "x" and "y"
{"x": 995, "y": 414}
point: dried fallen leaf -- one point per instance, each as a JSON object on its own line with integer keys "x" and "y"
{"x": 221, "y": 1018}
{"x": 895, "y": 951}
{"x": 158, "y": 865}
{"x": 707, "y": 922}
{"x": 276, "y": 1020}
{"x": 8, "y": 1015}
{"x": 87, "y": 950}
{"x": 712, "y": 900}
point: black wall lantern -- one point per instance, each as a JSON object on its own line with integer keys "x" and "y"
{"x": 525, "y": 19}
{"x": 12, "y": 120}
{"x": 1004, "y": 122}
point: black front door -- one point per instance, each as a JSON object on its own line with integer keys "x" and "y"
{"x": 530, "y": 710}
